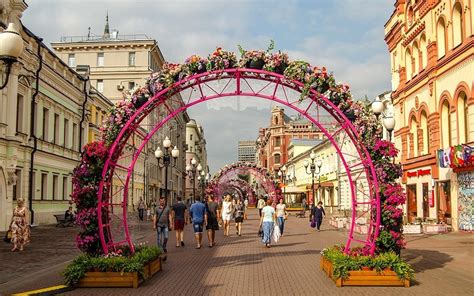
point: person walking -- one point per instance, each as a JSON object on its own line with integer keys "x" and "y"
{"x": 281, "y": 215}
{"x": 179, "y": 216}
{"x": 227, "y": 210}
{"x": 239, "y": 216}
{"x": 19, "y": 227}
{"x": 260, "y": 205}
{"x": 303, "y": 203}
{"x": 267, "y": 221}
{"x": 199, "y": 219}
{"x": 246, "y": 206}
{"x": 213, "y": 216}
{"x": 317, "y": 213}
{"x": 161, "y": 224}
{"x": 141, "y": 208}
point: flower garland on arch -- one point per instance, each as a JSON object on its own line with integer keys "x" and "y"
{"x": 87, "y": 175}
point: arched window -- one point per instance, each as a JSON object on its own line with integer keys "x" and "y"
{"x": 445, "y": 125}
{"x": 423, "y": 52}
{"x": 277, "y": 158}
{"x": 463, "y": 118}
{"x": 416, "y": 59}
{"x": 408, "y": 64}
{"x": 425, "y": 149}
{"x": 414, "y": 135}
{"x": 410, "y": 16}
{"x": 457, "y": 24}
{"x": 441, "y": 38}
{"x": 276, "y": 120}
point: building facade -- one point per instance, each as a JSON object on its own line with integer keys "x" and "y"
{"x": 246, "y": 151}
{"x": 432, "y": 60}
{"x": 195, "y": 148}
{"x": 118, "y": 64}
{"x": 273, "y": 141}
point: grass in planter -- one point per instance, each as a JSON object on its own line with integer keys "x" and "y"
{"x": 342, "y": 263}
{"x": 122, "y": 261}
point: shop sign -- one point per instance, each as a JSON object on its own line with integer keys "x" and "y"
{"x": 419, "y": 173}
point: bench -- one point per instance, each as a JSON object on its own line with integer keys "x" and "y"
{"x": 61, "y": 221}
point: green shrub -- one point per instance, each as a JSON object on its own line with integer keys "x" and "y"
{"x": 130, "y": 263}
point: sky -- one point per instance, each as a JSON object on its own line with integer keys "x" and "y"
{"x": 346, "y": 36}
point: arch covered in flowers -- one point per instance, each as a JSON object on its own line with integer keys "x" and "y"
{"x": 232, "y": 171}
{"x": 241, "y": 187}
{"x": 310, "y": 91}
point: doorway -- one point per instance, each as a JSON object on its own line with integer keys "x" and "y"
{"x": 444, "y": 202}
{"x": 411, "y": 203}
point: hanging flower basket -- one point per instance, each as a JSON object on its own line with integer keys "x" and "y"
{"x": 140, "y": 101}
{"x": 350, "y": 115}
{"x": 256, "y": 64}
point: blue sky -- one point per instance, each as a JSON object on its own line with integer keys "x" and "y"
{"x": 346, "y": 36}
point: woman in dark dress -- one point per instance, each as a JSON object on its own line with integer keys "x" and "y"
{"x": 317, "y": 213}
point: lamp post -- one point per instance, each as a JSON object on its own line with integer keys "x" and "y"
{"x": 282, "y": 175}
{"x": 203, "y": 180}
{"x": 191, "y": 169}
{"x": 378, "y": 107}
{"x": 312, "y": 170}
{"x": 11, "y": 47}
{"x": 165, "y": 156}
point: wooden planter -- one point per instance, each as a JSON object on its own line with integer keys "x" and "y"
{"x": 108, "y": 279}
{"x": 364, "y": 277}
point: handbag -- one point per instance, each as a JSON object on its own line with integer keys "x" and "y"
{"x": 313, "y": 223}
{"x": 260, "y": 232}
{"x": 276, "y": 233}
{"x": 8, "y": 237}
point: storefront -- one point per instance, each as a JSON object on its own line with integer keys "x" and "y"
{"x": 420, "y": 205}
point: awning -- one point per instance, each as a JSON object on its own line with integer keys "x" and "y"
{"x": 293, "y": 189}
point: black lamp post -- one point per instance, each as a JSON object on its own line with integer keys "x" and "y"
{"x": 203, "y": 180}
{"x": 11, "y": 47}
{"x": 192, "y": 169}
{"x": 165, "y": 157}
{"x": 312, "y": 170}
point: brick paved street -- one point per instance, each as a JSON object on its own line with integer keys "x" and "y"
{"x": 241, "y": 266}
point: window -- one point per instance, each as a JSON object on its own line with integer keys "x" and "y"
{"x": 44, "y": 186}
{"x": 66, "y": 133}
{"x": 33, "y": 186}
{"x": 191, "y": 137}
{"x": 441, "y": 38}
{"x": 408, "y": 64}
{"x": 100, "y": 59}
{"x": 56, "y": 129}
{"x": 463, "y": 118}
{"x": 17, "y": 185}
{"x": 277, "y": 141}
{"x": 100, "y": 85}
{"x": 413, "y": 137}
{"x": 457, "y": 24}
{"x": 71, "y": 60}
{"x": 74, "y": 136}
{"x": 277, "y": 158}
{"x": 445, "y": 123}
{"x": 45, "y": 124}
{"x": 131, "y": 85}
{"x": 55, "y": 187}
{"x": 131, "y": 58}
{"x": 65, "y": 188}
{"x": 425, "y": 136}
{"x": 416, "y": 59}
{"x": 423, "y": 53}
{"x": 19, "y": 114}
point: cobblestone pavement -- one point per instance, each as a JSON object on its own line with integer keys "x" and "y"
{"x": 242, "y": 266}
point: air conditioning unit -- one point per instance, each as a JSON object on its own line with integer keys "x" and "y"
{"x": 120, "y": 87}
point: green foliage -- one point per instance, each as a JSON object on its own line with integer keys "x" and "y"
{"x": 134, "y": 263}
{"x": 342, "y": 263}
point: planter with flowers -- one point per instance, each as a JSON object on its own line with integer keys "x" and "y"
{"x": 221, "y": 59}
{"x": 359, "y": 269}
{"x": 195, "y": 65}
{"x": 118, "y": 269}
{"x": 276, "y": 62}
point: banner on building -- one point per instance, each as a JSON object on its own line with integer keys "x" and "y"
{"x": 455, "y": 156}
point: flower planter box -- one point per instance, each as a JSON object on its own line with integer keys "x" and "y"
{"x": 359, "y": 228}
{"x": 412, "y": 229}
{"x": 364, "y": 277}
{"x": 99, "y": 279}
{"x": 337, "y": 222}
{"x": 434, "y": 228}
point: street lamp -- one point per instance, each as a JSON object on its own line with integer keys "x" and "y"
{"x": 11, "y": 47}
{"x": 378, "y": 107}
{"x": 191, "y": 170}
{"x": 165, "y": 158}
{"x": 203, "y": 180}
{"x": 282, "y": 175}
{"x": 312, "y": 170}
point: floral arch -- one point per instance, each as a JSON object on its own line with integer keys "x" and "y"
{"x": 310, "y": 91}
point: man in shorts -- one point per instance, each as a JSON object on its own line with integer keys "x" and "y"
{"x": 179, "y": 216}
{"x": 213, "y": 216}
{"x": 199, "y": 218}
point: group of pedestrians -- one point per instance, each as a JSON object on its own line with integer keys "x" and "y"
{"x": 206, "y": 216}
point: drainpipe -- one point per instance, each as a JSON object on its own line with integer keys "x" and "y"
{"x": 83, "y": 117}
{"x": 33, "y": 132}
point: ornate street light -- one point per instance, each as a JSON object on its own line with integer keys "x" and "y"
{"x": 192, "y": 169}
{"x": 312, "y": 170}
{"x": 203, "y": 180}
{"x": 282, "y": 175}
{"x": 165, "y": 158}
{"x": 378, "y": 107}
{"x": 11, "y": 47}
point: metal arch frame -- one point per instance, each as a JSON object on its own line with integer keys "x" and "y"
{"x": 261, "y": 173}
{"x": 239, "y": 185}
{"x": 106, "y": 205}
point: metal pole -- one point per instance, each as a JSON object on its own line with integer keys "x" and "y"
{"x": 166, "y": 180}
{"x": 194, "y": 187}
{"x": 312, "y": 187}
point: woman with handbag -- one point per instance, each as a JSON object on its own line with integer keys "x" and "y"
{"x": 317, "y": 214}
{"x": 20, "y": 230}
{"x": 267, "y": 222}
{"x": 281, "y": 215}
